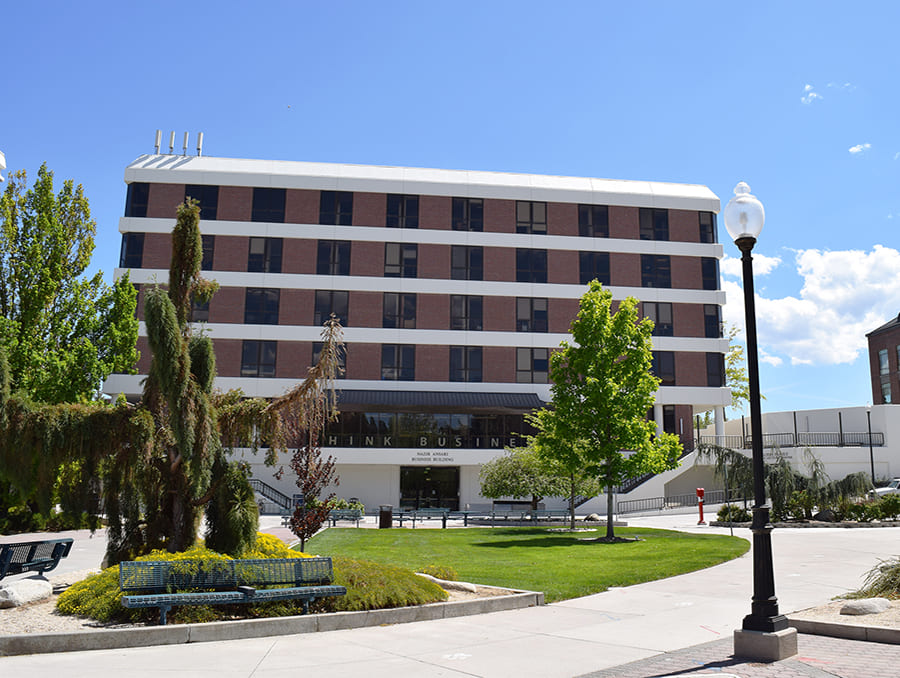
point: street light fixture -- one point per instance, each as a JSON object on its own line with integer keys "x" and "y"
{"x": 765, "y": 633}
{"x": 871, "y": 455}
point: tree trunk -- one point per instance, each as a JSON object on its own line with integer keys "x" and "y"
{"x": 572, "y": 503}
{"x": 610, "y": 534}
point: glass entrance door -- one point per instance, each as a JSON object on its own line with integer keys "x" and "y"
{"x": 429, "y": 487}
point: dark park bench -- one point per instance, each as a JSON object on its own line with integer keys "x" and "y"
{"x": 164, "y": 584}
{"x": 335, "y": 515}
{"x": 549, "y": 514}
{"x": 33, "y": 556}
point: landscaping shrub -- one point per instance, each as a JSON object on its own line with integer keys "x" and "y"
{"x": 369, "y": 587}
{"x": 882, "y": 581}
{"x": 889, "y": 506}
{"x": 732, "y": 513}
{"x": 440, "y": 572}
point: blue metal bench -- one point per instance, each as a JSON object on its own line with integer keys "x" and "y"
{"x": 33, "y": 556}
{"x": 167, "y": 583}
{"x": 335, "y": 515}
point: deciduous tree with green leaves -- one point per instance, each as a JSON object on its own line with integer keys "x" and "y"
{"x": 63, "y": 332}
{"x": 602, "y": 389}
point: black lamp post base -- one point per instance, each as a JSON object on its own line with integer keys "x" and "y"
{"x": 765, "y": 624}
{"x": 765, "y": 647}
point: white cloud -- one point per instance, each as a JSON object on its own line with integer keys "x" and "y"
{"x": 762, "y": 265}
{"x": 844, "y": 295}
{"x": 809, "y": 95}
{"x": 859, "y": 148}
{"x": 896, "y": 155}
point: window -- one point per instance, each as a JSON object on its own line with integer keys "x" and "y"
{"x": 132, "y": 253}
{"x": 709, "y": 269}
{"x": 207, "y": 196}
{"x": 531, "y": 315}
{"x": 661, "y": 315}
{"x": 656, "y": 271}
{"x": 532, "y": 365}
{"x": 330, "y": 302}
{"x": 466, "y": 263}
{"x": 664, "y": 367}
{"x": 467, "y": 214}
{"x": 265, "y": 255}
{"x": 707, "y": 226}
{"x": 465, "y": 363}
{"x": 883, "y": 367}
{"x": 342, "y": 356}
{"x": 400, "y": 260}
{"x": 402, "y": 211}
{"x": 261, "y": 306}
{"x": 669, "y": 419}
{"x": 336, "y": 208}
{"x": 531, "y": 217}
{"x": 531, "y": 266}
{"x": 137, "y": 199}
{"x": 258, "y": 358}
{"x": 398, "y": 362}
{"x": 199, "y": 311}
{"x": 715, "y": 369}
{"x": 209, "y": 248}
{"x": 593, "y": 221}
{"x": 886, "y": 392}
{"x": 465, "y": 312}
{"x": 593, "y": 266}
{"x": 399, "y": 311}
{"x": 268, "y": 205}
{"x": 712, "y": 321}
{"x": 333, "y": 257}
{"x": 654, "y": 224}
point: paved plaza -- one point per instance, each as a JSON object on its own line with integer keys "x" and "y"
{"x": 680, "y": 626}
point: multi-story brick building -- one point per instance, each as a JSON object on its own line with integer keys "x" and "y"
{"x": 453, "y": 287}
{"x": 884, "y": 361}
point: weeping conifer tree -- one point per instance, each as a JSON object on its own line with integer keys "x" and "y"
{"x": 177, "y": 393}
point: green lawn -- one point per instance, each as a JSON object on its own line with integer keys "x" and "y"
{"x": 562, "y": 565}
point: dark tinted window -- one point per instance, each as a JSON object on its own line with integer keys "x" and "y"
{"x": 531, "y": 217}
{"x": 199, "y": 311}
{"x": 532, "y": 365}
{"x": 710, "y": 271}
{"x": 400, "y": 260}
{"x": 531, "y": 315}
{"x": 333, "y": 257}
{"x": 132, "y": 252}
{"x": 656, "y": 270}
{"x": 330, "y": 302}
{"x": 664, "y": 367}
{"x": 712, "y": 324}
{"x": 467, "y": 214}
{"x": 258, "y": 358}
{"x": 465, "y": 312}
{"x": 654, "y": 224}
{"x": 661, "y": 315}
{"x": 265, "y": 255}
{"x": 531, "y": 266}
{"x": 593, "y": 266}
{"x": 209, "y": 248}
{"x": 137, "y": 199}
{"x": 707, "y": 226}
{"x": 336, "y": 208}
{"x": 398, "y": 362}
{"x": 207, "y": 196}
{"x": 465, "y": 363}
{"x": 466, "y": 263}
{"x": 261, "y": 306}
{"x": 715, "y": 369}
{"x": 399, "y": 310}
{"x": 402, "y": 211}
{"x": 268, "y": 205}
{"x": 593, "y": 221}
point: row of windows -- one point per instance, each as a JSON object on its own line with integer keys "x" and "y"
{"x": 398, "y": 362}
{"x": 402, "y": 211}
{"x": 261, "y": 307}
{"x": 466, "y": 262}
{"x": 884, "y": 370}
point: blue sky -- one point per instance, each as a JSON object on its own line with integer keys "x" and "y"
{"x": 799, "y": 99}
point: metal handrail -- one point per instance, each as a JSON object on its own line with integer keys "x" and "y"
{"x": 805, "y": 439}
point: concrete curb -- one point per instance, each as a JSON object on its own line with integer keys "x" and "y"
{"x": 874, "y": 634}
{"x": 177, "y": 634}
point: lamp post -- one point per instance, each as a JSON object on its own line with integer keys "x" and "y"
{"x": 871, "y": 455}
{"x": 765, "y": 633}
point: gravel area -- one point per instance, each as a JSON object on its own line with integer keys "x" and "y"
{"x": 42, "y": 617}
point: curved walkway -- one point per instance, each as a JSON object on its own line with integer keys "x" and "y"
{"x": 665, "y": 626}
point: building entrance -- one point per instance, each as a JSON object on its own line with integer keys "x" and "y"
{"x": 429, "y": 487}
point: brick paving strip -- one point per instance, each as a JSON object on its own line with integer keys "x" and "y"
{"x": 819, "y": 657}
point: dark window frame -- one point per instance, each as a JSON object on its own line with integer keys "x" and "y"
{"x": 663, "y": 367}
{"x": 208, "y": 198}
{"x": 255, "y": 358}
{"x": 401, "y": 260}
{"x": 654, "y": 223}
{"x": 398, "y": 362}
{"x": 715, "y": 369}
{"x": 531, "y": 265}
{"x": 333, "y": 257}
{"x": 656, "y": 271}
{"x": 712, "y": 321}
{"x": 531, "y": 216}
{"x": 268, "y": 205}
{"x": 131, "y": 254}
{"x": 467, "y": 214}
{"x": 473, "y": 262}
{"x": 593, "y": 221}
{"x": 398, "y": 310}
{"x": 528, "y": 364}
{"x": 269, "y": 259}
{"x": 594, "y": 266}
{"x": 402, "y": 211}
{"x": 208, "y": 244}
{"x": 466, "y": 312}
{"x": 709, "y": 273}
{"x": 530, "y": 318}
{"x": 708, "y": 230}
{"x": 336, "y": 208}
{"x": 662, "y": 314}
{"x": 331, "y": 302}
{"x": 466, "y": 364}
{"x": 261, "y": 305}
{"x": 137, "y": 199}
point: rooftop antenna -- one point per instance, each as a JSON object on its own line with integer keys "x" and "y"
{"x": 172, "y": 143}
{"x": 200, "y": 143}
{"x": 185, "y": 145}
{"x": 158, "y": 140}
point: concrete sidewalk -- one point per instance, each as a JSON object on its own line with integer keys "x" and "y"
{"x": 665, "y": 625}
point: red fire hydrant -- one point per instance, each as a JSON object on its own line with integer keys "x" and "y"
{"x": 700, "y": 504}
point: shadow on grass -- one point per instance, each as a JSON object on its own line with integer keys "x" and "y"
{"x": 557, "y": 541}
